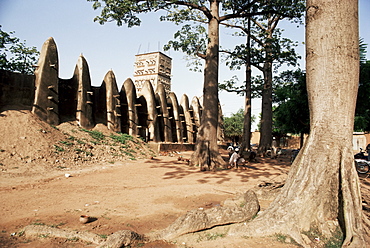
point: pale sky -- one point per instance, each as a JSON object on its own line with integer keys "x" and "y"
{"x": 105, "y": 47}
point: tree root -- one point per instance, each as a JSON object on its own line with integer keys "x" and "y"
{"x": 118, "y": 239}
{"x": 233, "y": 211}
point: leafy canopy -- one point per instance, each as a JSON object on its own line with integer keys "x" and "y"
{"x": 362, "y": 114}
{"x": 15, "y": 55}
{"x": 192, "y": 39}
{"x": 266, "y": 45}
{"x": 233, "y": 125}
{"x": 292, "y": 113}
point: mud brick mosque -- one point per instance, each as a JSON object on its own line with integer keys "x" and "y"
{"x": 144, "y": 107}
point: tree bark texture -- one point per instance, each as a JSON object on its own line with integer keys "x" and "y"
{"x": 322, "y": 192}
{"x": 266, "y": 108}
{"x": 206, "y": 154}
{"x": 266, "y": 113}
{"x": 247, "y": 124}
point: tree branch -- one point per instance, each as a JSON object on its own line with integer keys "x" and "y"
{"x": 245, "y": 31}
{"x": 275, "y": 22}
{"x": 201, "y": 55}
{"x": 242, "y": 15}
{"x": 203, "y": 9}
{"x": 258, "y": 24}
{"x": 233, "y": 90}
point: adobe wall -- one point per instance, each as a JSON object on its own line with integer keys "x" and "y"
{"x": 154, "y": 115}
{"x": 16, "y": 89}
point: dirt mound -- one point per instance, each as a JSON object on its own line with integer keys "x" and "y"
{"x": 30, "y": 146}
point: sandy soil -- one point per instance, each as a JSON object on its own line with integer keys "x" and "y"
{"x": 142, "y": 195}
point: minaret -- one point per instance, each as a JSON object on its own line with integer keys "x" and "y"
{"x": 155, "y": 67}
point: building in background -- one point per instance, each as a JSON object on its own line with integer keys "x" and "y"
{"x": 155, "y": 67}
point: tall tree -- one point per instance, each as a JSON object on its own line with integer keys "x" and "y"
{"x": 206, "y": 154}
{"x": 322, "y": 193}
{"x": 271, "y": 44}
{"x": 267, "y": 47}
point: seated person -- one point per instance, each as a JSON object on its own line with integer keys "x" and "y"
{"x": 233, "y": 161}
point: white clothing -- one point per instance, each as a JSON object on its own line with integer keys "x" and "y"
{"x": 234, "y": 158}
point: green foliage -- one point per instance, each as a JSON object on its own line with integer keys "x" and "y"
{"x": 66, "y": 143}
{"x": 121, "y": 138}
{"x": 103, "y": 236}
{"x": 233, "y": 126}
{"x": 58, "y": 148}
{"x": 15, "y": 55}
{"x": 214, "y": 236}
{"x": 191, "y": 40}
{"x": 233, "y": 85}
{"x": 39, "y": 224}
{"x": 265, "y": 47}
{"x": 362, "y": 49}
{"x": 78, "y": 150}
{"x": 81, "y": 142}
{"x": 53, "y": 126}
{"x": 361, "y": 123}
{"x": 125, "y": 12}
{"x": 210, "y": 236}
{"x": 95, "y": 134}
{"x": 281, "y": 237}
{"x": 362, "y": 115}
{"x": 292, "y": 113}
{"x": 334, "y": 241}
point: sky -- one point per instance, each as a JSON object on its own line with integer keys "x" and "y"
{"x": 106, "y": 47}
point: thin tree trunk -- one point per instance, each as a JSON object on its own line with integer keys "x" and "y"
{"x": 247, "y": 125}
{"x": 206, "y": 154}
{"x": 321, "y": 193}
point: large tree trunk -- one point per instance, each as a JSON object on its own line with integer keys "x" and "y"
{"x": 321, "y": 194}
{"x": 206, "y": 154}
{"x": 266, "y": 113}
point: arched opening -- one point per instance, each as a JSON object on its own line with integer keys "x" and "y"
{"x": 160, "y": 120}
{"x": 182, "y": 119}
{"x": 124, "y": 112}
{"x": 171, "y": 118}
{"x": 142, "y": 114}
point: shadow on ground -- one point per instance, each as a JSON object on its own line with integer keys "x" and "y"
{"x": 178, "y": 168}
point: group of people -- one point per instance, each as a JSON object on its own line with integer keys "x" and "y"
{"x": 234, "y": 157}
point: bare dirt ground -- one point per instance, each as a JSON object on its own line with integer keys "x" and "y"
{"x": 52, "y": 175}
